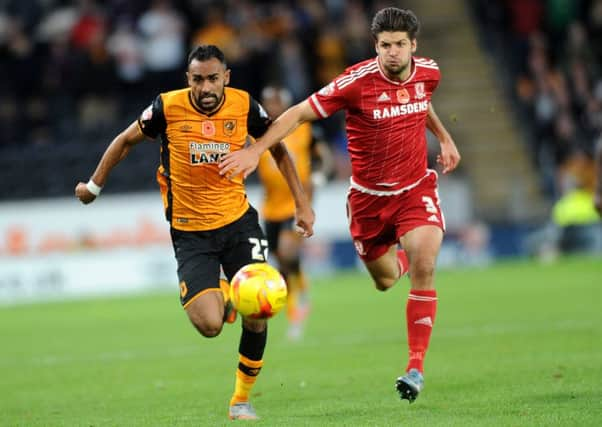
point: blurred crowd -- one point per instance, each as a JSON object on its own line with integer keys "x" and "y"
{"x": 552, "y": 53}
{"x": 77, "y": 71}
{"x": 81, "y": 69}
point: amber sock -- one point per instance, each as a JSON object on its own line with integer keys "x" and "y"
{"x": 250, "y": 361}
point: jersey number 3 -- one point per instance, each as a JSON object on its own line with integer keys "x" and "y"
{"x": 429, "y": 204}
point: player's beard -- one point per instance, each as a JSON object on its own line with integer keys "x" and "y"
{"x": 396, "y": 70}
{"x": 208, "y": 107}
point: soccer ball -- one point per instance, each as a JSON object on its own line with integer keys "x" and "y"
{"x": 258, "y": 291}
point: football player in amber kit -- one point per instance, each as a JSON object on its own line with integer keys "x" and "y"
{"x": 393, "y": 195}
{"x": 211, "y": 221}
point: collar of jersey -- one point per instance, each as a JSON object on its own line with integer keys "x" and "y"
{"x": 397, "y": 82}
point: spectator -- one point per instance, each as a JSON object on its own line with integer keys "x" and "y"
{"x": 164, "y": 33}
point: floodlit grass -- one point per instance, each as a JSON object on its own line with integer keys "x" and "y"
{"x": 517, "y": 344}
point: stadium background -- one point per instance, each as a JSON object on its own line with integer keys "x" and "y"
{"x": 521, "y": 93}
{"x": 519, "y": 327}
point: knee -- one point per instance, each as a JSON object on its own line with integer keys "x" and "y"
{"x": 207, "y": 328}
{"x": 289, "y": 262}
{"x": 383, "y": 284}
{"x": 423, "y": 268}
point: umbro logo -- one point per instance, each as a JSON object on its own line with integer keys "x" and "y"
{"x": 427, "y": 321}
{"x": 383, "y": 97}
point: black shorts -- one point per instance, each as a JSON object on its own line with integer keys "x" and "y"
{"x": 273, "y": 229}
{"x": 200, "y": 253}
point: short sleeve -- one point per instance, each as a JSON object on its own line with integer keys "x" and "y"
{"x": 152, "y": 120}
{"x": 258, "y": 120}
{"x": 331, "y": 98}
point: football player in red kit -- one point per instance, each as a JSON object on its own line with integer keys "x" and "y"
{"x": 393, "y": 197}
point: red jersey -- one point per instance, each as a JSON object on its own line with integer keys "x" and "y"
{"x": 385, "y": 121}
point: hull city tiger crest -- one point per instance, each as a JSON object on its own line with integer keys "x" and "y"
{"x": 229, "y": 127}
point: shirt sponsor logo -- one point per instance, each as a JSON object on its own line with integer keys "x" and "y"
{"x": 399, "y": 110}
{"x": 207, "y": 152}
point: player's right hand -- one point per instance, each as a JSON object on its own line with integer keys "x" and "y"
{"x": 241, "y": 162}
{"x": 83, "y": 194}
{"x": 449, "y": 157}
{"x": 304, "y": 222}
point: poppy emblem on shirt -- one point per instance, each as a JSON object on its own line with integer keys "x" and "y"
{"x": 229, "y": 127}
{"x": 403, "y": 97}
{"x": 207, "y": 128}
{"x": 419, "y": 88}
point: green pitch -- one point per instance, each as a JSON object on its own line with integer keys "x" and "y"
{"x": 517, "y": 344}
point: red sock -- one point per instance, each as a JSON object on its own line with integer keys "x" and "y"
{"x": 420, "y": 316}
{"x": 402, "y": 260}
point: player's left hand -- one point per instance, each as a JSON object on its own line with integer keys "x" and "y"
{"x": 304, "y": 222}
{"x": 241, "y": 162}
{"x": 449, "y": 157}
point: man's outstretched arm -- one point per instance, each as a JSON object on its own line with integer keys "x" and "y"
{"x": 245, "y": 161}
{"x": 115, "y": 152}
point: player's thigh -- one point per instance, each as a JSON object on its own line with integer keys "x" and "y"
{"x": 206, "y": 312}
{"x": 198, "y": 274}
{"x": 245, "y": 244}
{"x": 198, "y": 264}
{"x": 371, "y": 228}
{"x": 385, "y": 266}
{"x": 420, "y": 222}
{"x": 422, "y": 245}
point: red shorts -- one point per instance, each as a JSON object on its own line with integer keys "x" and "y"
{"x": 377, "y": 221}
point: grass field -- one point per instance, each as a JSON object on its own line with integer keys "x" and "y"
{"x": 517, "y": 344}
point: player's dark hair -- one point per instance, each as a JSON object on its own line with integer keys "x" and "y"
{"x": 394, "y": 19}
{"x": 205, "y": 52}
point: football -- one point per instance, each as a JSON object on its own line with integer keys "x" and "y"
{"x": 258, "y": 291}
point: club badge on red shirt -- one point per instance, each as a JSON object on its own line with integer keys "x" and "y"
{"x": 419, "y": 88}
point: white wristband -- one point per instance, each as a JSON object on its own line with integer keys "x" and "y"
{"x": 93, "y": 188}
